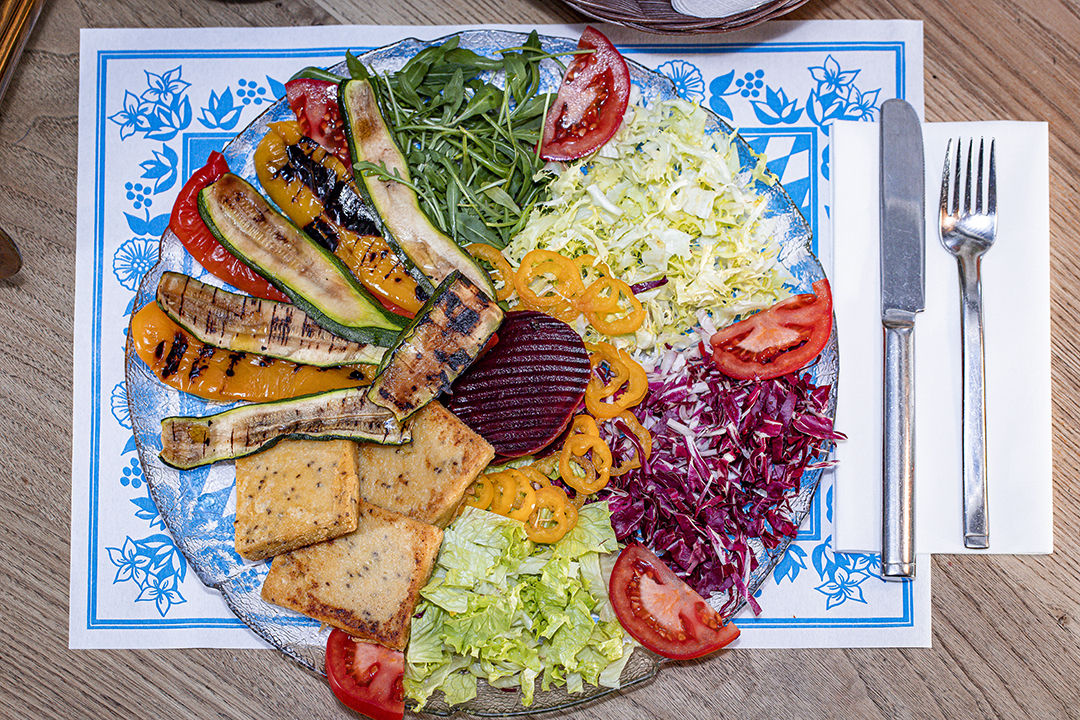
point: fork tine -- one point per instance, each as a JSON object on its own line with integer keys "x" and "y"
{"x": 991, "y": 190}
{"x": 954, "y": 207}
{"x": 967, "y": 179}
{"x": 979, "y": 183}
{"x": 945, "y": 180}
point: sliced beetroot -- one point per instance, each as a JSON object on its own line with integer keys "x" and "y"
{"x": 521, "y": 393}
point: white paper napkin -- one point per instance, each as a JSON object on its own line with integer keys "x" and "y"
{"x": 1016, "y": 297}
{"x": 714, "y": 8}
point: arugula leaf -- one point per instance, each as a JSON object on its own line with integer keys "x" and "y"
{"x": 469, "y": 126}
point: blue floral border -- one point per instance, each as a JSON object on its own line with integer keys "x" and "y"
{"x": 162, "y": 112}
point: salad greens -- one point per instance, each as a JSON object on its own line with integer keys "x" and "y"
{"x": 470, "y": 144}
{"x": 665, "y": 199}
{"x": 502, "y": 608}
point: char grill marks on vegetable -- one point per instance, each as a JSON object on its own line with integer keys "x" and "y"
{"x": 728, "y": 458}
{"x": 520, "y": 395}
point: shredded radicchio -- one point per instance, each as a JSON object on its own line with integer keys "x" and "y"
{"x": 727, "y": 459}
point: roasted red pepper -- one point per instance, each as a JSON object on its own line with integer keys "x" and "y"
{"x": 188, "y": 225}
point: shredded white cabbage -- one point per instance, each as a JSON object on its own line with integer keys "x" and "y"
{"x": 665, "y": 199}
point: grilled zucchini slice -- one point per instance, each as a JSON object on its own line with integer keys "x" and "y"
{"x": 315, "y": 280}
{"x": 252, "y": 325}
{"x": 445, "y": 337}
{"x": 404, "y": 223}
{"x": 189, "y": 442}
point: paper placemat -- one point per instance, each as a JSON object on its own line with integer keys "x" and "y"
{"x": 155, "y": 103}
{"x": 1016, "y": 319}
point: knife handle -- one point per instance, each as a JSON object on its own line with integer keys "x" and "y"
{"x": 898, "y": 458}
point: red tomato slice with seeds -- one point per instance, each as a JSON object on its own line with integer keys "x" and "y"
{"x": 778, "y": 340}
{"x": 661, "y": 611}
{"x": 315, "y": 104}
{"x": 591, "y": 101}
{"x": 366, "y": 677}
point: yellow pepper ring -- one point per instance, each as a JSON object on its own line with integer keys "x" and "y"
{"x": 571, "y": 512}
{"x": 594, "y": 299}
{"x": 498, "y": 263}
{"x": 553, "y": 500}
{"x": 643, "y": 435}
{"x": 546, "y": 465}
{"x": 619, "y": 326}
{"x": 567, "y": 285}
{"x": 480, "y": 493}
{"x": 536, "y": 477}
{"x": 505, "y": 490}
{"x": 584, "y": 424}
{"x": 575, "y": 447}
{"x": 591, "y": 270}
{"x": 524, "y": 498}
{"x": 635, "y": 380}
{"x": 620, "y": 370}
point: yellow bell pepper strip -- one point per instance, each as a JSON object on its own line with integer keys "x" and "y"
{"x": 503, "y": 273}
{"x": 625, "y": 371}
{"x": 368, "y": 256}
{"x": 576, "y": 446}
{"x": 565, "y": 283}
{"x": 182, "y": 362}
{"x": 550, "y": 520}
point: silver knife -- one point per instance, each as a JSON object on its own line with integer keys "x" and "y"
{"x": 903, "y": 269}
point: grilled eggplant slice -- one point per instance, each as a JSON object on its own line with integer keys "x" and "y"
{"x": 445, "y": 337}
{"x": 404, "y": 223}
{"x": 315, "y": 280}
{"x": 253, "y": 325}
{"x": 189, "y": 442}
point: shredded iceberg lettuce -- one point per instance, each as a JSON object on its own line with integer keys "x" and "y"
{"x": 666, "y": 199}
{"x": 502, "y": 608}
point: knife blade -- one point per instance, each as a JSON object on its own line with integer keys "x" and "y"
{"x": 903, "y": 270}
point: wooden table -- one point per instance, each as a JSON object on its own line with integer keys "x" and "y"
{"x": 1005, "y": 640}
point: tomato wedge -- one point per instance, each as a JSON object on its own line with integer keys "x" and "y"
{"x": 661, "y": 611}
{"x": 778, "y": 340}
{"x": 188, "y": 225}
{"x": 315, "y": 104}
{"x": 591, "y": 101}
{"x": 365, "y": 677}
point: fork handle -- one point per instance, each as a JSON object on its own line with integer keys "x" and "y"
{"x": 976, "y": 522}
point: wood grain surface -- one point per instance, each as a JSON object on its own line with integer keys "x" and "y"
{"x": 1005, "y": 638}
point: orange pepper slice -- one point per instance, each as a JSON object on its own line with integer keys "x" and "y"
{"x": 591, "y": 270}
{"x": 625, "y": 372}
{"x": 644, "y": 438}
{"x": 576, "y": 446}
{"x": 480, "y": 493}
{"x": 503, "y": 271}
{"x": 584, "y": 424}
{"x": 609, "y": 297}
{"x": 541, "y": 529}
{"x": 566, "y": 285}
{"x": 505, "y": 488}
{"x": 524, "y": 499}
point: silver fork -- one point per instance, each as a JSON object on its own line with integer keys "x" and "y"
{"x": 968, "y": 230}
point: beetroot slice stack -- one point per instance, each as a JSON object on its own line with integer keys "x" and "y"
{"x": 520, "y": 395}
